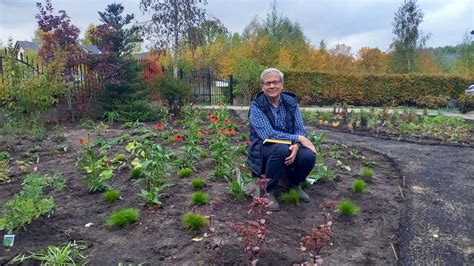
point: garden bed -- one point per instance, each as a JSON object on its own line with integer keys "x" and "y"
{"x": 160, "y": 237}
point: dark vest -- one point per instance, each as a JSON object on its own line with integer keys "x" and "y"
{"x": 255, "y": 155}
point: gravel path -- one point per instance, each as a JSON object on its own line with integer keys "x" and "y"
{"x": 437, "y": 221}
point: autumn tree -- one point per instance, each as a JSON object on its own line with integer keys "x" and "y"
{"x": 58, "y": 34}
{"x": 87, "y": 40}
{"x": 408, "y": 38}
{"x": 371, "y": 60}
{"x": 341, "y": 59}
{"x": 172, "y": 23}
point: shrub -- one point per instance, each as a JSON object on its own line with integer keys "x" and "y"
{"x": 193, "y": 221}
{"x": 366, "y": 172}
{"x": 358, "y": 186}
{"x": 185, "y": 172}
{"x": 291, "y": 197}
{"x": 111, "y": 195}
{"x": 176, "y": 92}
{"x": 347, "y": 207}
{"x": 136, "y": 172}
{"x": 197, "y": 183}
{"x": 199, "y": 198}
{"x": 123, "y": 217}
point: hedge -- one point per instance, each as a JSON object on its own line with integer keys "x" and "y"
{"x": 374, "y": 90}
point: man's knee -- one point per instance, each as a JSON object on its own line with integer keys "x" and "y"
{"x": 306, "y": 155}
{"x": 281, "y": 150}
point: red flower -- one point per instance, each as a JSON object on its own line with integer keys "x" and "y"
{"x": 178, "y": 138}
{"x": 213, "y": 119}
{"x": 227, "y": 122}
{"x": 159, "y": 127}
{"x": 83, "y": 141}
{"x": 201, "y": 133}
{"x": 247, "y": 142}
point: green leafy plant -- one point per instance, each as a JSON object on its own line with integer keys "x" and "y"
{"x": 238, "y": 185}
{"x": 291, "y": 197}
{"x": 197, "y": 183}
{"x": 199, "y": 198}
{"x": 123, "y": 217}
{"x": 322, "y": 172}
{"x": 194, "y": 221}
{"x": 97, "y": 168}
{"x": 67, "y": 254}
{"x": 185, "y": 172}
{"x": 27, "y": 205}
{"x": 358, "y": 186}
{"x": 347, "y": 207}
{"x": 366, "y": 172}
{"x": 154, "y": 194}
{"x": 111, "y": 195}
{"x": 4, "y": 170}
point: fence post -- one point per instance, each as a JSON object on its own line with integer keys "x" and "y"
{"x": 209, "y": 85}
{"x": 231, "y": 88}
{"x": 180, "y": 73}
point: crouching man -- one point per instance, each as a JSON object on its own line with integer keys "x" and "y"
{"x": 275, "y": 114}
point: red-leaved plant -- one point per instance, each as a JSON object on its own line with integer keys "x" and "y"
{"x": 253, "y": 233}
{"x": 319, "y": 237}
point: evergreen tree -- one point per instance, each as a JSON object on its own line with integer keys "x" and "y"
{"x": 120, "y": 71}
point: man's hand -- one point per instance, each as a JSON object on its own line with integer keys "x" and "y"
{"x": 307, "y": 143}
{"x": 294, "y": 150}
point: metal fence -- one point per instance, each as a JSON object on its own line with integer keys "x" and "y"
{"x": 208, "y": 88}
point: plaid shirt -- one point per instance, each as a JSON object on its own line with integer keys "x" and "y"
{"x": 264, "y": 129}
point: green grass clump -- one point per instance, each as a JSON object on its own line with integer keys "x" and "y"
{"x": 291, "y": 197}
{"x": 358, "y": 186}
{"x": 348, "y": 208}
{"x": 185, "y": 172}
{"x": 242, "y": 150}
{"x": 305, "y": 184}
{"x": 111, "y": 195}
{"x": 193, "y": 221}
{"x": 203, "y": 155}
{"x": 197, "y": 183}
{"x": 123, "y": 217}
{"x": 136, "y": 172}
{"x": 366, "y": 172}
{"x": 199, "y": 198}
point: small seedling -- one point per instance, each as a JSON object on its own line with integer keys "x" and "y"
{"x": 347, "y": 207}
{"x": 203, "y": 154}
{"x": 291, "y": 197}
{"x": 111, "y": 195}
{"x": 123, "y": 217}
{"x": 185, "y": 172}
{"x": 358, "y": 186}
{"x": 136, "y": 172}
{"x": 366, "y": 172}
{"x": 199, "y": 198}
{"x": 193, "y": 221}
{"x": 198, "y": 183}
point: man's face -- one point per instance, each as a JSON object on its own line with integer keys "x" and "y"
{"x": 272, "y": 85}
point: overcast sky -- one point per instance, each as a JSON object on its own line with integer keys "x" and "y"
{"x": 356, "y": 23}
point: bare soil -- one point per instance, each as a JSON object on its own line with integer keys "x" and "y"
{"x": 160, "y": 237}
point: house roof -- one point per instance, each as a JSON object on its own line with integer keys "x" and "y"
{"x": 91, "y": 49}
{"x": 27, "y": 45}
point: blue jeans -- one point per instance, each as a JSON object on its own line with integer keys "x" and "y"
{"x": 274, "y": 155}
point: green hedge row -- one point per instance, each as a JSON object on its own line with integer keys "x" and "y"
{"x": 375, "y": 90}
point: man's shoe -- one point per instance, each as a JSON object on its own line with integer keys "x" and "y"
{"x": 303, "y": 196}
{"x": 274, "y": 206}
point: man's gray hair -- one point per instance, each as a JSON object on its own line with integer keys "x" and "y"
{"x": 271, "y": 70}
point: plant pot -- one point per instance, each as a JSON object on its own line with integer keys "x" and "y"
{"x": 8, "y": 240}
